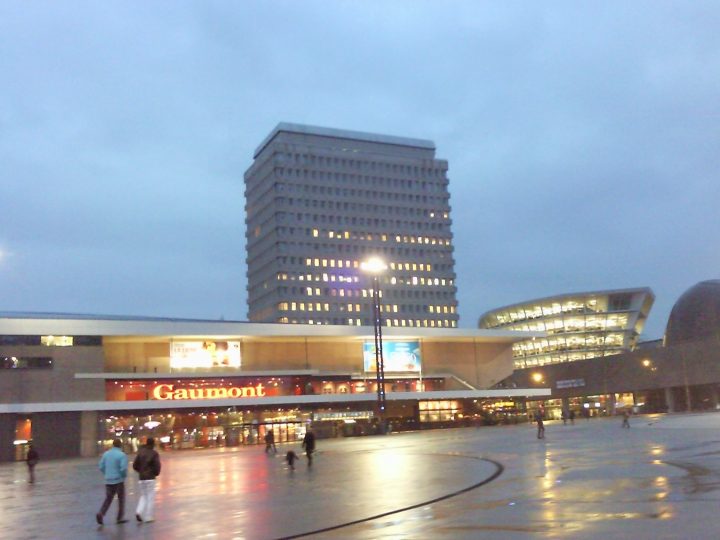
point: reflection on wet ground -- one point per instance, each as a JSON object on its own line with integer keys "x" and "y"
{"x": 591, "y": 480}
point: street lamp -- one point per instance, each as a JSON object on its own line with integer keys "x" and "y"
{"x": 376, "y": 266}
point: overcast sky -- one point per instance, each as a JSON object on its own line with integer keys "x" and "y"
{"x": 583, "y": 141}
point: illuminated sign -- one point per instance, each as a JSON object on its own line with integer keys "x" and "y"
{"x": 166, "y": 392}
{"x": 397, "y": 356}
{"x": 204, "y": 354}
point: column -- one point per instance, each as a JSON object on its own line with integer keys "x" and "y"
{"x": 670, "y": 400}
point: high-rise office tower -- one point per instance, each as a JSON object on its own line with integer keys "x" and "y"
{"x": 321, "y": 201}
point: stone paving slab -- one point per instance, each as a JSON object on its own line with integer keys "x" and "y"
{"x": 659, "y": 479}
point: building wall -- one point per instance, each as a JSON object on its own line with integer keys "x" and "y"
{"x": 143, "y": 357}
{"x": 7, "y": 436}
{"x": 54, "y": 384}
{"x": 692, "y": 364}
{"x": 57, "y": 435}
{"x": 480, "y": 364}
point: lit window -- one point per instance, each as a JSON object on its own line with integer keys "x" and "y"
{"x": 315, "y": 233}
{"x": 57, "y": 341}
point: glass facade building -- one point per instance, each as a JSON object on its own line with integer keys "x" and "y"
{"x": 578, "y": 326}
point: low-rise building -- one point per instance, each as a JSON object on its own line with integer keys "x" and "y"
{"x": 72, "y": 383}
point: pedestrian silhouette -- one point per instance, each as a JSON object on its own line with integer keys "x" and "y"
{"x": 309, "y": 445}
{"x": 147, "y": 465}
{"x": 270, "y": 441}
{"x": 626, "y": 420}
{"x": 291, "y": 457}
{"x": 113, "y": 464}
{"x": 540, "y": 425}
{"x": 32, "y": 459}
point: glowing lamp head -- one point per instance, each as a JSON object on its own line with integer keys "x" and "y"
{"x": 374, "y": 265}
{"x": 537, "y": 377}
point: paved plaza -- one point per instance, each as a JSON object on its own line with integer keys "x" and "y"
{"x": 659, "y": 479}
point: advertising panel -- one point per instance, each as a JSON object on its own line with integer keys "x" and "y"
{"x": 398, "y": 356}
{"x": 204, "y": 354}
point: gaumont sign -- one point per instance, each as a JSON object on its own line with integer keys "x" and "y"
{"x": 166, "y": 392}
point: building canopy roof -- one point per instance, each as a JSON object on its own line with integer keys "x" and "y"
{"x": 18, "y": 323}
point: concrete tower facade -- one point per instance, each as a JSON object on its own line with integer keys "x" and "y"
{"x": 321, "y": 201}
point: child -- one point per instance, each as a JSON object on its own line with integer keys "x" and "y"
{"x": 290, "y": 457}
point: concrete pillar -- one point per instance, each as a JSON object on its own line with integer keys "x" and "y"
{"x": 89, "y": 433}
{"x": 7, "y": 436}
{"x": 670, "y": 400}
{"x": 714, "y": 401}
{"x": 610, "y": 399}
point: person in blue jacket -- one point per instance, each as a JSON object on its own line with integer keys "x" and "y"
{"x": 114, "y": 465}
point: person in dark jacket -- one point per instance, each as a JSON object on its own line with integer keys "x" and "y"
{"x": 32, "y": 459}
{"x": 309, "y": 445}
{"x": 270, "y": 441}
{"x": 147, "y": 465}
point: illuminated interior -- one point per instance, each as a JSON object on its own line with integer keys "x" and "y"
{"x": 578, "y": 327}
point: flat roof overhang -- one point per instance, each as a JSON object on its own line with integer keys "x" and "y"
{"x": 107, "y": 375}
{"x": 149, "y": 329}
{"x": 268, "y": 401}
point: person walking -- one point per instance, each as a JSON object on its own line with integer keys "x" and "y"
{"x": 113, "y": 464}
{"x": 540, "y": 425}
{"x": 309, "y": 445}
{"x": 147, "y": 465}
{"x": 32, "y": 459}
{"x": 270, "y": 440}
{"x": 290, "y": 457}
{"x": 572, "y": 417}
{"x": 626, "y": 420}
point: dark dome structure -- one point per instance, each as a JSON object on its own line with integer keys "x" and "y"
{"x": 696, "y": 314}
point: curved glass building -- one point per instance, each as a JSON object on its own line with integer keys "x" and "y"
{"x": 578, "y": 326}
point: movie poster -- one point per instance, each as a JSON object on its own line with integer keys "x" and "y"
{"x": 398, "y": 356}
{"x": 204, "y": 354}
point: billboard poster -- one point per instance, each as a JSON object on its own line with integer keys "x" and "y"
{"x": 398, "y": 356}
{"x": 204, "y": 354}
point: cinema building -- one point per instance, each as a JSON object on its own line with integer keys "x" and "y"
{"x": 71, "y": 384}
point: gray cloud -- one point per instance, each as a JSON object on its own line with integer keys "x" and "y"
{"x": 582, "y": 141}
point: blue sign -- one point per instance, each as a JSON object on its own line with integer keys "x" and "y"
{"x": 398, "y": 356}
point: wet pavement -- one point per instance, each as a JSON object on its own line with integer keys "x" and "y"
{"x": 659, "y": 479}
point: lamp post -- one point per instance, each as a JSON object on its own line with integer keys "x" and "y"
{"x": 374, "y": 267}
